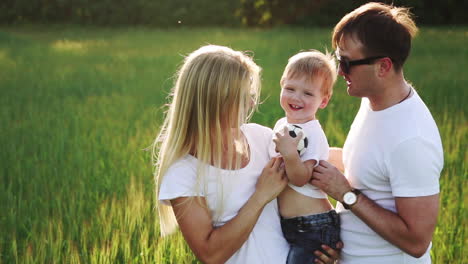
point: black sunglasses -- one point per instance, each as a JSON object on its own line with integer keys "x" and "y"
{"x": 345, "y": 64}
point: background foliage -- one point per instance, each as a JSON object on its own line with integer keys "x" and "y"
{"x": 172, "y": 13}
{"x": 79, "y": 105}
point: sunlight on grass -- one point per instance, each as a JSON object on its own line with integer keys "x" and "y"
{"x": 77, "y": 47}
{"x": 68, "y": 45}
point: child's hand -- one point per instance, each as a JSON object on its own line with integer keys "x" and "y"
{"x": 285, "y": 144}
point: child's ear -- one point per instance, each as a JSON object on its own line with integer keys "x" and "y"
{"x": 325, "y": 101}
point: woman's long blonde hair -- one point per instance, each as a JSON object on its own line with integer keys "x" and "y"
{"x": 216, "y": 92}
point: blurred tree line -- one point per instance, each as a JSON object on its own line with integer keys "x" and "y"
{"x": 252, "y": 13}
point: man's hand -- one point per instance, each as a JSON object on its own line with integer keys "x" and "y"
{"x": 330, "y": 180}
{"x": 331, "y": 254}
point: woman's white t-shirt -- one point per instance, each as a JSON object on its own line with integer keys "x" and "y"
{"x": 233, "y": 188}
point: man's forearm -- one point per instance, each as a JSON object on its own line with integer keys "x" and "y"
{"x": 410, "y": 229}
{"x": 411, "y": 236}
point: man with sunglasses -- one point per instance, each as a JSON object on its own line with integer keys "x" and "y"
{"x": 392, "y": 158}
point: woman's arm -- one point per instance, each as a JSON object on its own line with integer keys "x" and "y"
{"x": 217, "y": 244}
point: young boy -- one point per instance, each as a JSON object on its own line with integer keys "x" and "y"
{"x": 307, "y": 217}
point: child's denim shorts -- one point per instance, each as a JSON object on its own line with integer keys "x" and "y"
{"x": 306, "y": 234}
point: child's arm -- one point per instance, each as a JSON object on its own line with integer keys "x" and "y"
{"x": 297, "y": 171}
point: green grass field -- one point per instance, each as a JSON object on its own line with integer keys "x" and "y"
{"x": 79, "y": 106}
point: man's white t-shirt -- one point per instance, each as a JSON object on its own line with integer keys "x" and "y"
{"x": 317, "y": 150}
{"x": 395, "y": 152}
{"x": 266, "y": 243}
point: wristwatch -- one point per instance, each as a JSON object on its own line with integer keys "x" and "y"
{"x": 350, "y": 198}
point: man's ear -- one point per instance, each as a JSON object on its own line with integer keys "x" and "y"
{"x": 325, "y": 101}
{"x": 385, "y": 66}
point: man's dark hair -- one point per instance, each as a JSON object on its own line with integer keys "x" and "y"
{"x": 384, "y": 30}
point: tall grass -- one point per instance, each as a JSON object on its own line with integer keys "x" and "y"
{"x": 79, "y": 105}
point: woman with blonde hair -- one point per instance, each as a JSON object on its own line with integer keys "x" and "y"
{"x": 213, "y": 175}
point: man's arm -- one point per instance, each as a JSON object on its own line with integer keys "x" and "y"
{"x": 410, "y": 229}
{"x": 335, "y": 157}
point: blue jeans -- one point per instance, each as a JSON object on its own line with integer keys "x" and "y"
{"x": 306, "y": 234}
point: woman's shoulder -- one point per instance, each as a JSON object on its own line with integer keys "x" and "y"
{"x": 180, "y": 179}
{"x": 256, "y": 128}
{"x": 183, "y": 166}
{"x": 258, "y": 136}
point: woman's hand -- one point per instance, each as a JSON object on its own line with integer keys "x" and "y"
{"x": 331, "y": 255}
{"x": 217, "y": 244}
{"x": 271, "y": 182}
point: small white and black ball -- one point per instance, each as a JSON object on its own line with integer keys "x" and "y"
{"x": 294, "y": 131}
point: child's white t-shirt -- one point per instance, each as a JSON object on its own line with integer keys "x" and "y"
{"x": 317, "y": 150}
{"x": 266, "y": 243}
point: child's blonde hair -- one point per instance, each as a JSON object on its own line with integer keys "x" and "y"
{"x": 312, "y": 64}
{"x": 216, "y": 92}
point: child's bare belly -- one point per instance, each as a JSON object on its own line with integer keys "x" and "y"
{"x": 292, "y": 204}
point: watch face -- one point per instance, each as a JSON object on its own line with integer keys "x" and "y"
{"x": 349, "y": 198}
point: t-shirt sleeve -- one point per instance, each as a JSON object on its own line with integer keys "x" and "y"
{"x": 261, "y": 135}
{"x": 414, "y": 168}
{"x": 179, "y": 181}
{"x": 318, "y": 146}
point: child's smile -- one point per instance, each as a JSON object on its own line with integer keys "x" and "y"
{"x": 295, "y": 107}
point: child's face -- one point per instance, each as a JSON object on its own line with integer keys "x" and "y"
{"x": 300, "y": 99}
